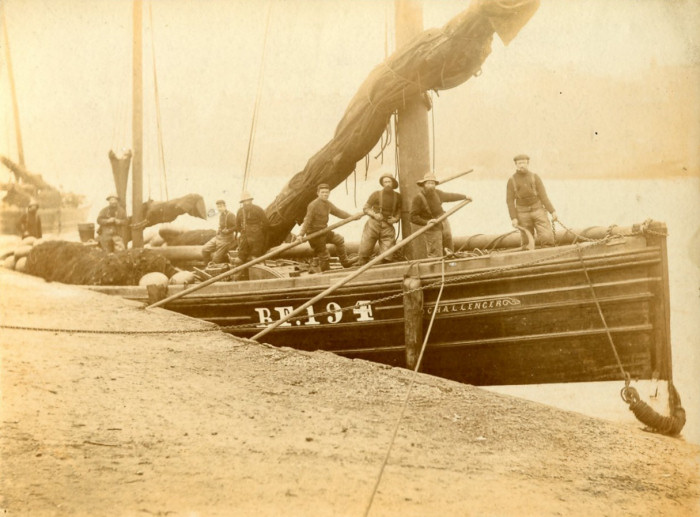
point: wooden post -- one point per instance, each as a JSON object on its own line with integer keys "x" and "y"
{"x": 413, "y": 139}
{"x": 156, "y": 292}
{"x": 412, "y": 316}
{"x": 137, "y": 128}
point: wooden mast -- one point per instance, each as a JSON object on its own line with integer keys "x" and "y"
{"x": 413, "y": 139}
{"x": 11, "y": 78}
{"x": 137, "y": 128}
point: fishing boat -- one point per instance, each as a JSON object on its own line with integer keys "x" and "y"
{"x": 594, "y": 307}
{"x": 58, "y": 210}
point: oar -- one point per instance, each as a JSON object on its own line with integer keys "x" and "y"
{"x": 268, "y": 255}
{"x": 455, "y": 176}
{"x": 364, "y": 268}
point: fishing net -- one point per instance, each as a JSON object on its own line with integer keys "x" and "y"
{"x": 436, "y": 59}
{"x": 74, "y": 263}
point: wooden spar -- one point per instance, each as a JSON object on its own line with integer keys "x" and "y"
{"x": 137, "y": 130}
{"x": 262, "y": 258}
{"x": 455, "y": 176}
{"x": 11, "y": 78}
{"x": 412, "y": 133}
{"x": 412, "y": 316}
{"x": 364, "y": 268}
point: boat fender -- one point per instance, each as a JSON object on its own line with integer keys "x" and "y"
{"x": 21, "y": 265}
{"x": 668, "y": 425}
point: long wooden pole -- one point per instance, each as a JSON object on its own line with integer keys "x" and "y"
{"x": 250, "y": 263}
{"x": 11, "y": 78}
{"x": 412, "y": 133}
{"x": 364, "y": 268}
{"x": 137, "y": 129}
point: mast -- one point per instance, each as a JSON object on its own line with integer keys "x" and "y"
{"x": 137, "y": 128}
{"x": 412, "y": 134}
{"x": 11, "y": 78}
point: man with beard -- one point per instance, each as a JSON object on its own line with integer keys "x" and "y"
{"x": 426, "y": 207}
{"x": 384, "y": 210}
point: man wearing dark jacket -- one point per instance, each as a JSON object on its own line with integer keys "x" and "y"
{"x": 251, "y": 225}
{"x": 528, "y": 203}
{"x": 112, "y": 220}
{"x": 425, "y": 208}
{"x": 29, "y": 224}
{"x": 384, "y": 210}
{"x": 216, "y": 250}
{"x": 317, "y": 219}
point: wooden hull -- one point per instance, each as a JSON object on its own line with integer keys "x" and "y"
{"x": 526, "y": 317}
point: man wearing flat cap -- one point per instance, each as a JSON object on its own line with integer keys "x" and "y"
{"x": 425, "y": 208}
{"x": 112, "y": 220}
{"x": 384, "y": 210}
{"x": 528, "y": 203}
{"x": 216, "y": 250}
{"x": 317, "y": 219}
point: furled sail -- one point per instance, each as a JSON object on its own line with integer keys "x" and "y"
{"x": 437, "y": 59}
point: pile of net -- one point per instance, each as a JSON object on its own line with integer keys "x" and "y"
{"x": 74, "y": 263}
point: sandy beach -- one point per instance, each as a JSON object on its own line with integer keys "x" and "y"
{"x": 190, "y": 421}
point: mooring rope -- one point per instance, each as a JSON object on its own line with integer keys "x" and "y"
{"x": 669, "y": 425}
{"x": 408, "y": 393}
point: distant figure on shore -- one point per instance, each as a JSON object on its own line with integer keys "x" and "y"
{"x": 216, "y": 250}
{"x": 384, "y": 210}
{"x": 317, "y": 219}
{"x": 112, "y": 220}
{"x": 528, "y": 203}
{"x": 251, "y": 225}
{"x": 426, "y": 207}
{"x": 29, "y": 224}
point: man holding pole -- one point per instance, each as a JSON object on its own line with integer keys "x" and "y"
{"x": 384, "y": 210}
{"x": 317, "y": 219}
{"x": 426, "y": 207}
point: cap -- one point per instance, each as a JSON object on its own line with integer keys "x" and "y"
{"x": 245, "y": 196}
{"x": 521, "y": 157}
{"x": 112, "y": 196}
{"x": 428, "y": 177}
{"x": 220, "y": 202}
{"x": 394, "y": 184}
{"x": 323, "y": 185}
{"x": 33, "y": 202}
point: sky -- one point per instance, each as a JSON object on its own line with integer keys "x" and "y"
{"x": 588, "y": 88}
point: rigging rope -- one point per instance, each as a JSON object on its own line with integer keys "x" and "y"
{"x": 408, "y": 392}
{"x": 253, "y": 124}
{"x": 161, "y": 151}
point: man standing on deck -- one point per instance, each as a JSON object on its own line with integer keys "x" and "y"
{"x": 528, "y": 203}
{"x": 426, "y": 207}
{"x": 29, "y": 224}
{"x": 216, "y": 250}
{"x": 112, "y": 220}
{"x": 251, "y": 224}
{"x": 317, "y": 219}
{"x": 384, "y": 210}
